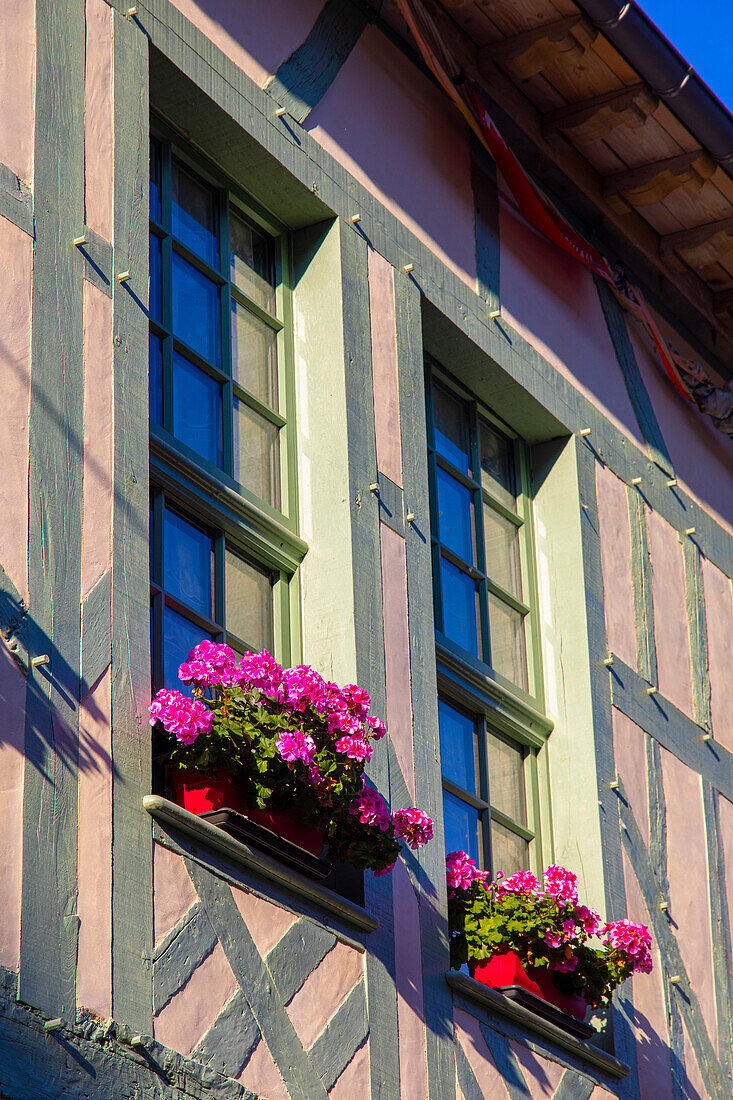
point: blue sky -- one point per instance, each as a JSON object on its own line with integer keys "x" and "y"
{"x": 703, "y": 34}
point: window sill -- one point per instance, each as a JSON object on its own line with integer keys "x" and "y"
{"x": 503, "y": 1006}
{"x": 171, "y": 815}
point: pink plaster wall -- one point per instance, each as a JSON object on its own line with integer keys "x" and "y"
{"x": 719, "y": 615}
{"x": 618, "y": 594}
{"x": 354, "y": 1082}
{"x": 16, "y": 265}
{"x": 98, "y": 121}
{"x": 541, "y": 1074}
{"x": 257, "y": 37}
{"x": 688, "y": 881}
{"x": 408, "y": 979}
{"x": 17, "y": 86}
{"x": 184, "y": 1021}
{"x": 173, "y": 892}
{"x": 98, "y": 488}
{"x": 262, "y": 1076}
{"x": 468, "y": 1034}
{"x": 671, "y": 632}
{"x": 384, "y": 366}
{"x": 702, "y": 456}
{"x": 693, "y": 1086}
{"x": 327, "y": 987}
{"x": 12, "y": 745}
{"x": 94, "y": 968}
{"x": 397, "y": 650}
{"x": 398, "y": 135}
{"x": 267, "y": 923}
{"x": 551, "y": 300}
{"x": 629, "y": 746}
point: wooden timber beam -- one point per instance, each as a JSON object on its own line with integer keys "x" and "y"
{"x": 591, "y": 119}
{"x": 535, "y": 49}
{"x": 723, "y": 301}
{"x": 702, "y": 245}
{"x": 651, "y": 183}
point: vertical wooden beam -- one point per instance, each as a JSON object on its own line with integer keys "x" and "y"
{"x": 485, "y": 225}
{"x": 641, "y": 579}
{"x": 132, "y": 884}
{"x": 49, "y": 922}
{"x": 698, "y": 627}
{"x": 720, "y": 929}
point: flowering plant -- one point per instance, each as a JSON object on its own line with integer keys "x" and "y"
{"x": 291, "y": 739}
{"x": 545, "y": 925}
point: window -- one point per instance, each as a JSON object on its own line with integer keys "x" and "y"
{"x": 486, "y": 633}
{"x": 221, "y": 398}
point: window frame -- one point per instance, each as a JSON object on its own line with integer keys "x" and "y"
{"x": 202, "y": 493}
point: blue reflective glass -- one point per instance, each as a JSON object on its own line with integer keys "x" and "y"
{"x": 193, "y": 214}
{"x": 197, "y": 410}
{"x": 451, "y": 429}
{"x": 155, "y": 300}
{"x": 196, "y": 314}
{"x": 155, "y": 180}
{"x": 455, "y": 516}
{"x": 460, "y": 607}
{"x": 179, "y": 638}
{"x": 188, "y": 563}
{"x": 155, "y": 378}
{"x": 461, "y": 827}
{"x": 457, "y": 747}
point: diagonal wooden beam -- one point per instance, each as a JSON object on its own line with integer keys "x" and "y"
{"x": 688, "y": 240}
{"x": 630, "y": 106}
{"x": 723, "y": 301}
{"x": 653, "y": 182}
{"x": 532, "y": 50}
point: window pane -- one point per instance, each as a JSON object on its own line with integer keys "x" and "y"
{"x": 456, "y": 517}
{"x": 155, "y": 378}
{"x": 497, "y": 465}
{"x": 155, "y": 180}
{"x": 451, "y": 429}
{"x": 458, "y": 747}
{"x": 252, "y": 261}
{"x": 179, "y": 638}
{"x": 461, "y": 827}
{"x": 193, "y": 214}
{"x": 508, "y": 647}
{"x": 510, "y": 852}
{"x": 249, "y": 611}
{"x": 196, "y": 317}
{"x": 197, "y": 410}
{"x": 460, "y": 607}
{"x": 155, "y": 294}
{"x": 188, "y": 566}
{"x": 506, "y": 778}
{"x": 256, "y": 453}
{"x": 502, "y": 551}
{"x": 254, "y": 355}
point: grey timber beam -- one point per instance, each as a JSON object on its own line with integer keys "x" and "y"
{"x": 132, "y": 871}
{"x": 98, "y": 255}
{"x": 507, "y": 1064}
{"x": 96, "y": 633}
{"x": 294, "y": 958}
{"x": 16, "y": 200}
{"x": 185, "y": 947}
{"x": 574, "y": 1086}
{"x": 720, "y": 928}
{"x": 637, "y": 391}
{"x": 258, "y": 985}
{"x": 486, "y": 225}
{"x": 698, "y": 629}
{"x": 641, "y": 580}
{"x": 389, "y": 498}
{"x": 467, "y": 1082}
{"x": 231, "y": 1039}
{"x": 343, "y": 1035}
{"x": 303, "y": 80}
{"x": 49, "y": 922}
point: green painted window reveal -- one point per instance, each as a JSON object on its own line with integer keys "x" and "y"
{"x": 486, "y": 629}
{"x": 221, "y": 400}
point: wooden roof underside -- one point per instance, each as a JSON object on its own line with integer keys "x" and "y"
{"x": 594, "y": 121}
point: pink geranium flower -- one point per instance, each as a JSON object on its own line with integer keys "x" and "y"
{"x": 412, "y": 826}
{"x": 355, "y": 748}
{"x": 377, "y": 727}
{"x": 296, "y": 745}
{"x": 370, "y": 808}
{"x": 462, "y": 872}
{"x": 209, "y": 664}
{"x": 633, "y": 940}
{"x": 561, "y": 883}
{"x": 522, "y": 882}
{"x": 184, "y": 717}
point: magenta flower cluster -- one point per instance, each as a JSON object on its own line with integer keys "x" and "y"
{"x": 462, "y": 872}
{"x": 296, "y": 745}
{"x": 412, "y": 826}
{"x": 631, "y": 938}
{"x": 186, "y": 718}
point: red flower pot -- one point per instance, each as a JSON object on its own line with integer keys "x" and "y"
{"x": 200, "y": 793}
{"x": 508, "y": 969}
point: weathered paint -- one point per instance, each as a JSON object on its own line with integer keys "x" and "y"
{"x": 629, "y": 750}
{"x": 552, "y": 301}
{"x": 670, "y": 613}
{"x": 427, "y": 184}
{"x": 719, "y": 605}
{"x": 173, "y": 893}
{"x": 96, "y": 550}
{"x": 17, "y": 86}
{"x": 397, "y": 650}
{"x": 688, "y": 886}
{"x": 618, "y": 595}
{"x": 354, "y": 1081}
{"x": 408, "y": 979}
{"x": 184, "y": 1021}
{"x": 262, "y": 1076}
{"x": 257, "y": 37}
{"x": 94, "y": 968}
{"x": 267, "y": 923}
{"x": 98, "y": 122}
{"x": 468, "y": 1034}
{"x": 16, "y": 264}
{"x": 541, "y": 1074}
{"x": 327, "y": 987}
{"x": 12, "y": 702}
{"x": 384, "y": 367}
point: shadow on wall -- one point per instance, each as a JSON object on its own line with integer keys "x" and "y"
{"x": 656, "y": 1059}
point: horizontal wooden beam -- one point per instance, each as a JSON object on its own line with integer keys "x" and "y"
{"x": 650, "y": 183}
{"x": 629, "y": 106}
{"x": 536, "y": 48}
{"x": 687, "y": 240}
{"x": 723, "y": 301}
